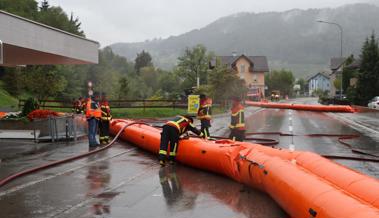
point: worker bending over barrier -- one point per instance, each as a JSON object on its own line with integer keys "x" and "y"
{"x": 171, "y": 132}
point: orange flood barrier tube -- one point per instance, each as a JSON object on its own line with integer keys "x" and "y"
{"x": 304, "y": 184}
{"x": 306, "y": 107}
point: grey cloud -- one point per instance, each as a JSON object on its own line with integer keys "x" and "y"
{"x": 129, "y": 21}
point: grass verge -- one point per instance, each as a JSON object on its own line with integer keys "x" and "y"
{"x": 6, "y": 100}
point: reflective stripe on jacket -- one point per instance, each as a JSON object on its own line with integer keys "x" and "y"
{"x": 205, "y": 109}
{"x": 237, "y": 120}
{"x": 105, "y": 111}
{"x": 183, "y": 124}
{"x": 92, "y": 109}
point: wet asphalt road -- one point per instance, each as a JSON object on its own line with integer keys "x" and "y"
{"x": 127, "y": 182}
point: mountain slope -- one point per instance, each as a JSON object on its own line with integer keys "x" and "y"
{"x": 291, "y": 39}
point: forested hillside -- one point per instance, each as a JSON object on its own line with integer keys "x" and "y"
{"x": 291, "y": 39}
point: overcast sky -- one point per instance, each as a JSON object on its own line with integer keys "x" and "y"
{"x": 137, "y": 20}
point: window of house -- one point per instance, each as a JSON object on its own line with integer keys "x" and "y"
{"x": 242, "y": 70}
{"x": 255, "y": 77}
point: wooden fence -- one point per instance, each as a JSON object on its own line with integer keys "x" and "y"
{"x": 113, "y": 104}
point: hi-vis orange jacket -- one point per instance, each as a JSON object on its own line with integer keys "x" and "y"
{"x": 237, "y": 120}
{"x": 92, "y": 109}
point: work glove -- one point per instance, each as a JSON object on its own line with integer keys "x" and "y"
{"x": 184, "y": 137}
{"x": 203, "y": 136}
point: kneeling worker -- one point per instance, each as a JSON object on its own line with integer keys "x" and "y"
{"x": 171, "y": 132}
{"x": 237, "y": 121}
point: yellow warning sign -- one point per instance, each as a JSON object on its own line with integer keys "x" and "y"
{"x": 193, "y": 104}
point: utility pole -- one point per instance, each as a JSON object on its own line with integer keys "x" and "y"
{"x": 341, "y": 43}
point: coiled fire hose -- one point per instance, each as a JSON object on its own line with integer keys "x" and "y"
{"x": 58, "y": 162}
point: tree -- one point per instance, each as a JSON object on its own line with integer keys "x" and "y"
{"x": 44, "y": 82}
{"x": 56, "y": 17}
{"x": 225, "y": 83}
{"x": 194, "y": 63}
{"x": 143, "y": 59}
{"x": 282, "y": 80}
{"x": 149, "y": 75}
{"x": 368, "y": 77}
{"x": 302, "y": 84}
{"x": 348, "y": 73}
{"x": 169, "y": 83}
{"x": 44, "y": 5}
{"x": 13, "y": 80}
{"x": 23, "y": 8}
{"x": 123, "y": 88}
{"x": 337, "y": 83}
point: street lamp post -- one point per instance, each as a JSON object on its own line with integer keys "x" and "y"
{"x": 341, "y": 41}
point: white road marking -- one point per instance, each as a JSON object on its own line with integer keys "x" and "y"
{"x": 355, "y": 125}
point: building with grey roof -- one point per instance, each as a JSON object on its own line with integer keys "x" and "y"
{"x": 249, "y": 68}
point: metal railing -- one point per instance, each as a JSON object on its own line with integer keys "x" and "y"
{"x": 54, "y": 129}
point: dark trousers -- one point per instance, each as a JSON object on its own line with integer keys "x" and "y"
{"x": 104, "y": 131}
{"x": 169, "y": 135}
{"x": 171, "y": 187}
{"x": 205, "y": 124}
{"x": 237, "y": 134}
{"x": 92, "y": 130}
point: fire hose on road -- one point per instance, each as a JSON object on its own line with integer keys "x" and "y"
{"x": 59, "y": 162}
{"x": 341, "y": 139}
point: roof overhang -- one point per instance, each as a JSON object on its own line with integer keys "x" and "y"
{"x": 25, "y": 42}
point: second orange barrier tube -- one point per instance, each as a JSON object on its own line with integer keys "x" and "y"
{"x": 304, "y": 184}
{"x": 306, "y": 107}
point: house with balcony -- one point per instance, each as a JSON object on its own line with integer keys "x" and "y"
{"x": 252, "y": 69}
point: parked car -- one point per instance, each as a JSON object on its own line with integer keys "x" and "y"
{"x": 374, "y": 103}
{"x": 336, "y": 100}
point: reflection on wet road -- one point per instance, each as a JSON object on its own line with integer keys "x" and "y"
{"x": 133, "y": 185}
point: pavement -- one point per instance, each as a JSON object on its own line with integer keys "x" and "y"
{"x": 125, "y": 181}
{"x": 15, "y": 148}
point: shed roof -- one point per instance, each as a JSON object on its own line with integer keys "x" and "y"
{"x": 26, "y": 42}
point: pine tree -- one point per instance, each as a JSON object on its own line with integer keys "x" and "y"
{"x": 44, "y": 5}
{"x": 143, "y": 59}
{"x": 368, "y": 85}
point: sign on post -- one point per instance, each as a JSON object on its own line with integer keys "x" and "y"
{"x": 193, "y": 104}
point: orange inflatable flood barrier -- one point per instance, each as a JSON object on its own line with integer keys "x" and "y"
{"x": 306, "y": 107}
{"x": 304, "y": 184}
{"x": 2, "y": 114}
